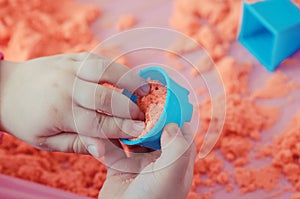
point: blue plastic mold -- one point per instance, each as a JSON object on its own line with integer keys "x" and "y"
{"x": 177, "y": 108}
{"x": 270, "y": 30}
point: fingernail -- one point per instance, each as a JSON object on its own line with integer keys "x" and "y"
{"x": 144, "y": 90}
{"x": 138, "y": 126}
{"x": 93, "y": 150}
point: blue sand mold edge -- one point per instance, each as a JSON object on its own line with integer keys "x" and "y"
{"x": 152, "y": 138}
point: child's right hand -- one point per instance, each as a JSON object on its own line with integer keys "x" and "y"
{"x": 54, "y": 104}
{"x": 149, "y": 176}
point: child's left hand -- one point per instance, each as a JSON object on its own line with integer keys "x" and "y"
{"x": 55, "y": 104}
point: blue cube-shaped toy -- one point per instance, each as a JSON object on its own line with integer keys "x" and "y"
{"x": 270, "y": 30}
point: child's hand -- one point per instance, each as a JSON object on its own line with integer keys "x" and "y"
{"x": 169, "y": 176}
{"x": 55, "y": 104}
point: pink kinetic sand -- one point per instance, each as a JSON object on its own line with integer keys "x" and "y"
{"x": 152, "y": 105}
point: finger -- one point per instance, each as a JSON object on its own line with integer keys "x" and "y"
{"x": 100, "y": 70}
{"x": 73, "y": 143}
{"x": 93, "y": 124}
{"x": 96, "y": 97}
{"x": 188, "y": 133}
{"x": 175, "y": 155}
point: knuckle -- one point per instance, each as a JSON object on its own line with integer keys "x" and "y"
{"x": 134, "y": 111}
{"x": 99, "y": 121}
{"x": 104, "y": 99}
{"x": 103, "y": 126}
{"x": 112, "y": 125}
{"x": 121, "y": 125}
{"x": 108, "y": 127}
